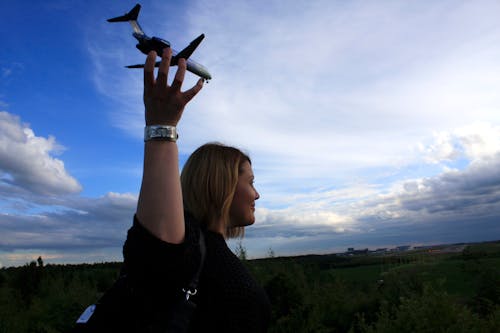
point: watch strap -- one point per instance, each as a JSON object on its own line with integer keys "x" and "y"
{"x": 161, "y": 133}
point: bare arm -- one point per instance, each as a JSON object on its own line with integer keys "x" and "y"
{"x": 160, "y": 208}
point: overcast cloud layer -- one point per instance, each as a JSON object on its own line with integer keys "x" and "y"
{"x": 369, "y": 125}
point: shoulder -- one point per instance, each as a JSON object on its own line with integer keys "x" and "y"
{"x": 149, "y": 260}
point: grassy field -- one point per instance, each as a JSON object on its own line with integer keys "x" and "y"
{"x": 385, "y": 293}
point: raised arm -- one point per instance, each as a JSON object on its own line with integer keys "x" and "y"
{"x": 160, "y": 209}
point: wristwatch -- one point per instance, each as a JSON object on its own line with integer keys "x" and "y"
{"x": 161, "y": 133}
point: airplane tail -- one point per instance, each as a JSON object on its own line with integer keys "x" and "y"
{"x": 130, "y": 17}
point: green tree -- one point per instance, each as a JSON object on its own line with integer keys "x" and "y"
{"x": 40, "y": 261}
{"x": 487, "y": 298}
{"x": 241, "y": 251}
{"x": 433, "y": 311}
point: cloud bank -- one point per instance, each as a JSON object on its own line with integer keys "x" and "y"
{"x": 26, "y": 161}
{"x": 40, "y": 209}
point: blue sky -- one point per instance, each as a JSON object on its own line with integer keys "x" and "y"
{"x": 370, "y": 124}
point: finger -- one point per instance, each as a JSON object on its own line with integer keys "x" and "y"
{"x": 179, "y": 75}
{"x": 164, "y": 66}
{"x": 189, "y": 94}
{"x": 149, "y": 68}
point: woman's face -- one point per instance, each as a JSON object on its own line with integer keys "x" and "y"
{"x": 242, "y": 211}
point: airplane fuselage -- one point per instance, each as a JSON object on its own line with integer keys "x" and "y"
{"x": 147, "y": 44}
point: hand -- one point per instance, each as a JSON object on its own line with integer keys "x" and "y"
{"x": 165, "y": 104}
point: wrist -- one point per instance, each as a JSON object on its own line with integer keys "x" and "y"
{"x": 153, "y": 122}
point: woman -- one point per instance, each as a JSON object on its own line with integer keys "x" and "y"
{"x": 162, "y": 250}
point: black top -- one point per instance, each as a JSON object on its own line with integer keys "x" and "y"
{"x": 228, "y": 299}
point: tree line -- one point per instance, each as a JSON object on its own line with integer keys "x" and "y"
{"x": 366, "y": 294}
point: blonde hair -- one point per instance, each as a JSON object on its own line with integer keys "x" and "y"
{"x": 209, "y": 179}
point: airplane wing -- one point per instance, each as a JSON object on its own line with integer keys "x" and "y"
{"x": 157, "y": 64}
{"x": 192, "y": 66}
{"x": 186, "y": 52}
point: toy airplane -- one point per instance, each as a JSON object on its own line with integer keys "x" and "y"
{"x": 147, "y": 44}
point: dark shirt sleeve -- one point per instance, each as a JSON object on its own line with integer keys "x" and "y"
{"x": 158, "y": 269}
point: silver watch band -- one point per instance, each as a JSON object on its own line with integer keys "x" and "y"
{"x": 160, "y": 132}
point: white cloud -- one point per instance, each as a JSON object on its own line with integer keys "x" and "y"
{"x": 67, "y": 229}
{"x": 70, "y": 224}
{"x": 305, "y": 217}
{"x": 473, "y": 193}
{"x": 479, "y": 140}
{"x": 6, "y": 72}
{"x": 8, "y": 69}
{"x": 474, "y": 142}
{"x": 443, "y": 148}
{"x": 26, "y": 162}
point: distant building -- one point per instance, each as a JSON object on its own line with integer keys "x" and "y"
{"x": 379, "y": 251}
{"x": 352, "y": 251}
{"x": 423, "y": 247}
{"x": 365, "y": 251}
